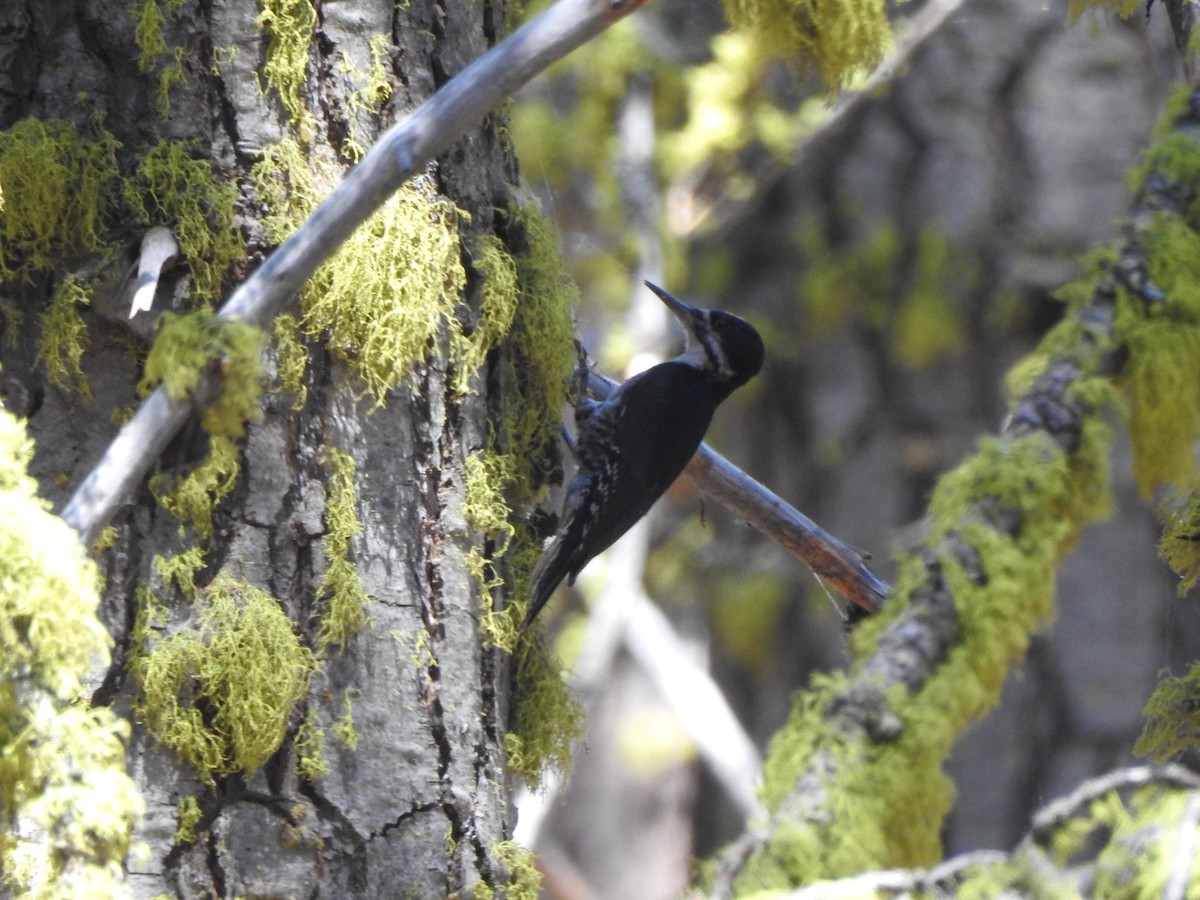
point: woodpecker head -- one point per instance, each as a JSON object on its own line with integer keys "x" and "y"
{"x": 726, "y": 347}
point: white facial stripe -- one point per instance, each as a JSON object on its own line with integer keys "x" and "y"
{"x": 706, "y": 351}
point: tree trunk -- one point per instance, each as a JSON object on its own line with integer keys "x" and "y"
{"x": 292, "y": 742}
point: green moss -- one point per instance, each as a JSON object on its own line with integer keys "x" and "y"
{"x": 388, "y": 296}
{"x": 289, "y": 25}
{"x": 185, "y": 347}
{"x": 198, "y": 204}
{"x": 546, "y": 718}
{"x": 343, "y": 729}
{"x": 55, "y": 188}
{"x": 193, "y": 497}
{"x": 341, "y": 589}
{"x": 187, "y": 815}
{"x": 1161, "y": 379}
{"x": 309, "y": 748}
{"x": 292, "y": 357}
{"x": 1172, "y": 717}
{"x": 67, "y": 808}
{"x": 219, "y": 692}
{"x": 889, "y": 799}
{"x": 1180, "y": 543}
{"x": 523, "y": 881}
{"x": 65, "y": 337}
{"x": 499, "y": 301}
{"x": 843, "y": 39}
{"x": 181, "y": 570}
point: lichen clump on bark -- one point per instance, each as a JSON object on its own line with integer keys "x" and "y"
{"x": 342, "y": 595}
{"x": 219, "y": 692}
{"x": 63, "y": 765}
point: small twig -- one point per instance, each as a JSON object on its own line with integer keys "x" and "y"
{"x": 403, "y": 151}
{"x": 839, "y": 564}
{"x": 1052, "y": 816}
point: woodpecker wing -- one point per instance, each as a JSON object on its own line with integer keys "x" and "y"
{"x": 632, "y": 446}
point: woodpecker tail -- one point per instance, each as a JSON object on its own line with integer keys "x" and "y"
{"x": 549, "y": 572}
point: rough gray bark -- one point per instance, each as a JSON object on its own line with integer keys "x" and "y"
{"x": 418, "y": 806}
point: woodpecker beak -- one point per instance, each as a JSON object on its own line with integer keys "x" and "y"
{"x": 689, "y": 317}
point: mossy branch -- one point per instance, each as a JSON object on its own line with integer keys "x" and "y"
{"x": 854, "y": 781}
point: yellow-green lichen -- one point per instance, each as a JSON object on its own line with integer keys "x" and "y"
{"x": 1140, "y": 855}
{"x": 105, "y": 540}
{"x": 180, "y": 570}
{"x": 56, "y": 185}
{"x": 220, "y": 691}
{"x": 488, "y": 514}
{"x": 843, "y": 284}
{"x": 1172, "y": 717}
{"x": 289, "y": 25}
{"x": 927, "y": 328}
{"x": 906, "y": 291}
{"x": 193, "y": 497}
{"x": 546, "y": 718}
{"x": 289, "y": 186}
{"x": 292, "y": 359}
{"x": 187, "y": 817}
{"x": 62, "y": 772}
{"x": 499, "y": 301}
{"x": 186, "y": 346}
{"x": 842, "y": 39}
{"x": 374, "y": 89}
{"x": 522, "y": 879}
{"x": 1180, "y": 543}
{"x": 343, "y": 729}
{"x": 1161, "y": 378}
{"x": 309, "y": 747}
{"x": 341, "y": 593}
{"x": 730, "y": 106}
{"x": 388, "y": 296}
{"x": 65, "y": 337}
{"x": 889, "y": 799}
{"x": 170, "y": 187}
{"x": 542, "y": 352}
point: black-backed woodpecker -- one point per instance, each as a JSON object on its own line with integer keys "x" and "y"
{"x": 631, "y": 446}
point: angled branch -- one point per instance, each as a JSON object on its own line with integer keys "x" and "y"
{"x": 401, "y": 153}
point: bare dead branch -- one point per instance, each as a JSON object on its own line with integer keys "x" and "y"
{"x": 402, "y": 152}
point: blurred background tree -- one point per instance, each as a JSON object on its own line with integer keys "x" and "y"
{"x": 899, "y": 250}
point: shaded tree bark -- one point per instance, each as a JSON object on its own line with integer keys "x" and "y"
{"x": 414, "y": 799}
